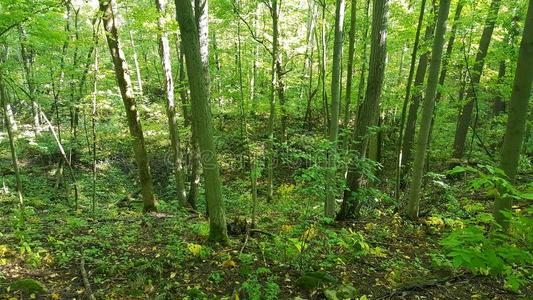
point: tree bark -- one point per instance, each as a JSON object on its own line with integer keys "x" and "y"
{"x": 403, "y": 116}
{"x": 132, "y": 114}
{"x": 410, "y": 125}
{"x": 329, "y": 207}
{"x": 198, "y": 73}
{"x": 11, "y": 136}
{"x": 427, "y": 110}
{"x": 164, "y": 53}
{"x": 465, "y": 116}
{"x": 518, "y": 111}
{"x": 274, "y": 12}
{"x": 369, "y": 110}
{"x": 349, "y": 70}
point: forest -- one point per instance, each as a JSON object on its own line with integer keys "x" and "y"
{"x": 266, "y": 149}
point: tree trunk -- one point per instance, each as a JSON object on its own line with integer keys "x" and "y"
{"x": 463, "y": 121}
{"x": 518, "y": 107}
{"x": 274, "y": 11}
{"x": 427, "y": 110}
{"x": 198, "y": 74}
{"x": 126, "y": 90}
{"x": 164, "y": 52}
{"x": 369, "y": 110}
{"x": 406, "y": 99}
{"x": 329, "y": 207}
{"x": 349, "y": 70}
{"x": 11, "y": 136}
{"x": 449, "y": 48}
{"x": 410, "y": 125}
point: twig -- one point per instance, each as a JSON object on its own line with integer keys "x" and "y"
{"x": 252, "y": 33}
{"x": 245, "y": 242}
{"x": 85, "y": 278}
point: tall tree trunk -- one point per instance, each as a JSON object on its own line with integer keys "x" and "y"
{"x": 94, "y": 112}
{"x": 255, "y": 66}
{"x": 274, "y": 12}
{"x": 239, "y": 71}
{"x": 427, "y": 110}
{"x": 198, "y": 73}
{"x": 323, "y": 66}
{"x": 403, "y": 116}
{"x": 329, "y": 207}
{"x": 126, "y": 90}
{"x": 449, "y": 48}
{"x": 361, "y": 88}
{"x": 308, "y": 63}
{"x": 11, "y": 135}
{"x": 164, "y": 52}
{"x": 410, "y": 125}
{"x": 518, "y": 110}
{"x": 349, "y": 70}
{"x": 465, "y": 117}
{"x": 369, "y": 110}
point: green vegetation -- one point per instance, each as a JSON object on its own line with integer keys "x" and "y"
{"x": 280, "y": 149}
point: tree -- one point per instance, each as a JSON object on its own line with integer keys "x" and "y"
{"x": 369, "y": 109}
{"x": 198, "y": 75}
{"x": 518, "y": 111}
{"x": 335, "y": 104}
{"x": 164, "y": 52}
{"x": 351, "y": 53}
{"x": 403, "y": 115}
{"x": 410, "y": 125}
{"x": 427, "y": 110}
{"x": 465, "y": 116}
{"x": 10, "y": 130}
{"x": 274, "y": 11}
{"x": 128, "y": 98}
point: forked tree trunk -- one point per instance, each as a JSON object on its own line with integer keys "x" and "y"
{"x": 369, "y": 110}
{"x": 518, "y": 110}
{"x": 427, "y": 110}
{"x": 164, "y": 53}
{"x": 126, "y": 90}
{"x": 198, "y": 73}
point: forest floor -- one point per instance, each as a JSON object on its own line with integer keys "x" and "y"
{"x": 165, "y": 255}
